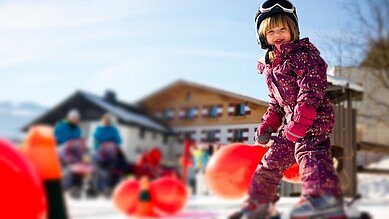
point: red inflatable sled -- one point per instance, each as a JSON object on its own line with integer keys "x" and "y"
{"x": 230, "y": 169}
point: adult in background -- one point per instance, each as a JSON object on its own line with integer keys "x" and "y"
{"x": 110, "y": 160}
{"x": 106, "y": 132}
{"x": 68, "y": 129}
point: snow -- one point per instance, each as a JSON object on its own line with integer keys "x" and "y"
{"x": 381, "y": 164}
{"x": 344, "y": 83}
{"x": 210, "y": 207}
{"x": 373, "y": 188}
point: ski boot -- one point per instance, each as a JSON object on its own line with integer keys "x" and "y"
{"x": 318, "y": 207}
{"x": 252, "y": 209}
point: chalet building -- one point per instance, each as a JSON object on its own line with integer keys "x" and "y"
{"x": 205, "y": 114}
{"x": 139, "y": 131}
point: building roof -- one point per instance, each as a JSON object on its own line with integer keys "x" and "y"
{"x": 130, "y": 116}
{"x": 84, "y": 101}
{"x": 345, "y": 83}
{"x": 337, "y": 87}
{"x": 181, "y": 82}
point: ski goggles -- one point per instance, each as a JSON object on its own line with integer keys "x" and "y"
{"x": 286, "y": 6}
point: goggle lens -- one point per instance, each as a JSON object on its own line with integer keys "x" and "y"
{"x": 283, "y": 4}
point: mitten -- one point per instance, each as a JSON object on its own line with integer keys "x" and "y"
{"x": 270, "y": 123}
{"x": 295, "y": 131}
{"x": 302, "y": 119}
{"x": 263, "y": 133}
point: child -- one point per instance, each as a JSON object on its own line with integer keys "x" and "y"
{"x": 296, "y": 78}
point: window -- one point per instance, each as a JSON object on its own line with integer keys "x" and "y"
{"x": 211, "y": 136}
{"x": 213, "y": 112}
{"x": 168, "y": 114}
{"x": 188, "y": 135}
{"x": 240, "y": 109}
{"x": 138, "y": 150}
{"x": 158, "y": 114}
{"x": 190, "y": 113}
{"x": 188, "y": 96}
{"x": 142, "y": 133}
{"x": 238, "y": 135}
{"x": 165, "y": 138}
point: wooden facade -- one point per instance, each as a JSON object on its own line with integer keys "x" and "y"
{"x": 182, "y": 96}
{"x": 196, "y": 109}
{"x": 343, "y": 137}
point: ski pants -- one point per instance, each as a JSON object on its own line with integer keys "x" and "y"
{"x": 312, "y": 153}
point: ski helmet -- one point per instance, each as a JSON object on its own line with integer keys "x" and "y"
{"x": 271, "y": 7}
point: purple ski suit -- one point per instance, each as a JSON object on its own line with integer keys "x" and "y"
{"x": 297, "y": 85}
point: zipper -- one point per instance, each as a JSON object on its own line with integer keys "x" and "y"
{"x": 279, "y": 93}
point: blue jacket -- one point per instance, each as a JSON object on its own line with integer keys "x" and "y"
{"x": 104, "y": 134}
{"x": 201, "y": 158}
{"x": 64, "y": 131}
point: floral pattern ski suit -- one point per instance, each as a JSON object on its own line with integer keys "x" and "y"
{"x": 297, "y": 85}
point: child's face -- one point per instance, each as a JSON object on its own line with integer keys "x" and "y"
{"x": 278, "y": 36}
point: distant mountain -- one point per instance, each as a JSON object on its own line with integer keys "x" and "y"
{"x": 13, "y": 116}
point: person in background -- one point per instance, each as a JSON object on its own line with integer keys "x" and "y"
{"x": 106, "y": 132}
{"x": 73, "y": 153}
{"x": 110, "y": 163}
{"x": 210, "y": 150}
{"x": 149, "y": 163}
{"x": 68, "y": 129}
{"x": 201, "y": 157}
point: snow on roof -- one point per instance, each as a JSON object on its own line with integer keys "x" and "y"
{"x": 344, "y": 83}
{"x": 125, "y": 115}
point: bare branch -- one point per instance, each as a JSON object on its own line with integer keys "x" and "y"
{"x": 378, "y": 102}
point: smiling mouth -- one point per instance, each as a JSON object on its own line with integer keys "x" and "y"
{"x": 278, "y": 41}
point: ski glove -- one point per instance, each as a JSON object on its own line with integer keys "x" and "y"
{"x": 263, "y": 133}
{"x": 302, "y": 119}
{"x": 270, "y": 123}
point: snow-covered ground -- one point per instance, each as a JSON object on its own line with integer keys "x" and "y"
{"x": 373, "y": 188}
{"x": 209, "y": 207}
{"x": 375, "y": 201}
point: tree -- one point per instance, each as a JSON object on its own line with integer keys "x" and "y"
{"x": 374, "y": 25}
{"x": 364, "y": 43}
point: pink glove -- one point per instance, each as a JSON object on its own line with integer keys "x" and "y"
{"x": 271, "y": 119}
{"x": 302, "y": 119}
{"x": 295, "y": 131}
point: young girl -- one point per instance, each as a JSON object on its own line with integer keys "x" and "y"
{"x": 296, "y": 78}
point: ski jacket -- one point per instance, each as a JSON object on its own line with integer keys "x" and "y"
{"x": 297, "y": 85}
{"x": 65, "y": 131}
{"x": 105, "y": 134}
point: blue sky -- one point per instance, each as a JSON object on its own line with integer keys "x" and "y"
{"x": 50, "y": 48}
